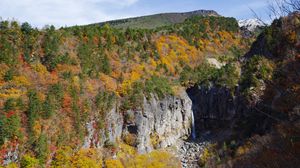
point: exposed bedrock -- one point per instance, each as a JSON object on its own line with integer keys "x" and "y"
{"x": 157, "y": 124}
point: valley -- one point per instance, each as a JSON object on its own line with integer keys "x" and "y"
{"x": 187, "y": 90}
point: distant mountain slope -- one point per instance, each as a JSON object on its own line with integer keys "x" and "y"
{"x": 251, "y": 24}
{"x": 157, "y": 20}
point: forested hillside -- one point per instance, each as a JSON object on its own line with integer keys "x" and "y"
{"x": 267, "y": 130}
{"x": 53, "y": 81}
{"x": 157, "y": 20}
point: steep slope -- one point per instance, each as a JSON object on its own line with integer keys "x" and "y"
{"x": 277, "y": 46}
{"x": 251, "y": 24}
{"x": 93, "y": 96}
{"x": 97, "y": 89}
{"x": 267, "y": 130}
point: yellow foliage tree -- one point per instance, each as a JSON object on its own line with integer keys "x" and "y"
{"x": 109, "y": 83}
{"x": 84, "y": 158}
{"x": 40, "y": 68}
{"x": 113, "y": 164}
{"x": 87, "y": 158}
{"x": 21, "y": 81}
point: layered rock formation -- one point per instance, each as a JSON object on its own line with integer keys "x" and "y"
{"x": 168, "y": 120}
{"x": 157, "y": 124}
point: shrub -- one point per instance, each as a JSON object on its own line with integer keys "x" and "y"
{"x": 206, "y": 155}
{"x": 12, "y": 165}
{"x": 26, "y": 28}
{"x": 113, "y": 163}
{"x": 202, "y": 74}
{"x": 51, "y": 45}
{"x": 62, "y": 157}
{"x": 8, "y": 52}
{"x": 105, "y": 101}
{"x": 86, "y": 158}
{"x": 256, "y": 68}
{"x": 134, "y": 97}
{"x": 93, "y": 59}
{"x": 130, "y": 139}
{"x": 159, "y": 86}
{"x": 41, "y": 148}
{"x": 155, "y": 159}
{"x": 34, "y": 108}
{"x": 10, "y": 122}
{"x": 57, "y": 91}
{"x": 28, "y": 161}
{"x": 154, "y": 138}
{"x": 227, "y": 76}
{"x": 53, "y": 100}
{"x": 8, "y": 76}
{"x": 49, "y": 107}
{"x": 10, "y": 125}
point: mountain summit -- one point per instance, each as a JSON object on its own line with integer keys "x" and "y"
{"x": 251, "y": 24}
{"x": 158, "y": 20}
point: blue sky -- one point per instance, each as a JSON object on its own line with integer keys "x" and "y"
{"x": 78, "y": 12}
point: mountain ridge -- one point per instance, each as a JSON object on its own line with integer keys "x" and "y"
{"x": 107, "y": 97}
{"x": 156, "y": 20}
{"x": 251, "y": 24}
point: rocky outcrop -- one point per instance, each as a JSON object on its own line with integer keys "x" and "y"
{"x": 157, "y": 124}
{"x": 191, "y": 152}
{"x": 111, "y": 133}
{"x": 9, "y": 153}
{"x": 160, "y": 123}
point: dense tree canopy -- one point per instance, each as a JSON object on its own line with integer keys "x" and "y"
{"x": 52, "y": 81}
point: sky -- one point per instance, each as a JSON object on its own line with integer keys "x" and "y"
{"x": 80, "y": 12}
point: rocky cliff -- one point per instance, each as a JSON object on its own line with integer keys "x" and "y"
{"x": 213, "y": 107}
{"x": 157, "y": 124}
{"x": 221, "y": 114}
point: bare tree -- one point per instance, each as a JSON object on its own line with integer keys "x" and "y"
{"x": 280, "y": 8}
{"x": 256, "y": 16}
{"x": 291, "y": 5}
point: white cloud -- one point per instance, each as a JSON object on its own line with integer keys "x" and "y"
{"x": 62, "y": 12}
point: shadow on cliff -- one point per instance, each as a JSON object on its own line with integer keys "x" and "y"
{"x": 221, "y": 115}
{"x": 215, "y": 110}
{"x": 270, "y": 124}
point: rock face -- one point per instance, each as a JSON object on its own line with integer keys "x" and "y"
{"x": 11, "y": 154}
{"x": 113, "y": 131}
{"x": 157, "y": 124}
{"x": 221, "y": 114}
{"x": 213, "y": 107}
{"x": 163, "y": 121}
